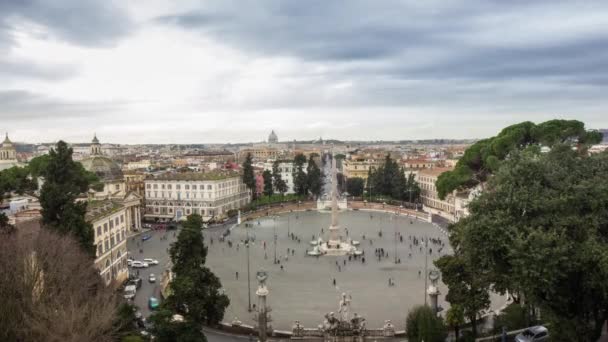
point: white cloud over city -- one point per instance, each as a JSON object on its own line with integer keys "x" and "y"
{"x": 230, "y": 71}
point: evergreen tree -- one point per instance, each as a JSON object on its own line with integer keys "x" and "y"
{"x": 354, "y": 186}
{"x": 64, "y": 181}
{"x": 314, "y": 178}
{"x": 422, "y": 324}
{"x": 195, "y": 289}
{"x": 300, "y": 180}
{"x": 248, "y": 175}
{"x": 268, "y": 189}
{"x": 279, "y": 184}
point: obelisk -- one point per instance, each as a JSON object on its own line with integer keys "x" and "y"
{"x": 334, "y": 229}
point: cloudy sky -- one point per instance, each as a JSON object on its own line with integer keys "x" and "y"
{"x": 152, "y": 71}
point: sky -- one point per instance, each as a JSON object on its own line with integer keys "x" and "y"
{"x": 214, "y": 71}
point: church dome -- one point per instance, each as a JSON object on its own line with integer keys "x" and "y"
{"x": 272, "y": 138}
{"x": 104, "y": 167}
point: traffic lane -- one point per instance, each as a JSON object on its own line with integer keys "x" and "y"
{"x": 154, "y": 248}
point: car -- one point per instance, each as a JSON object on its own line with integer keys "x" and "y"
{"x": 139, "y": 264}
{"x": 153, "y": 303}
{"x": 533, "y": 334}
{"x": 129, "y": 262}
{"x": 130, "y": 291}
{"x": 152, "y": 278}
{"x": 146, "y": 237}
{"x": 151, "y": 261}
{"x": 135, "y": 281}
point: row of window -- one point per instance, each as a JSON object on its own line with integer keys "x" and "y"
{"x": 111, "y": 242}
{"x": 191, "y": 186}
{"x": 111, "y": 223}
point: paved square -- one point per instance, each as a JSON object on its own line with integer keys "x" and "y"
{"x": 304, "y": 289}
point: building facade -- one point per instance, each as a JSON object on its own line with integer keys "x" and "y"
{"x": 286, "y": 169}
{"x": 174, "y": 196}
{"x": 8, "y": 154}
{"x": 429, "y": 196}
{"x": 359, "y": 167}
{"x": 109, "y": 219}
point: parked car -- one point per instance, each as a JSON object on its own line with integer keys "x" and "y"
{"x": 152, "y": 278}
{"x": 533, "y": 334}
{"x": 129, "y": 262}
{"x": 139, "y": 264}
{"x": 146, "y": 237}
{"x": 153, "y": 303}
{"x": 151, "y": 261}
{"x": 130, "y": 291}
{"x": 135, "y": 281}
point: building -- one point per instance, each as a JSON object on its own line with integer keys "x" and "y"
{"x": 430, "y": 199}
{"x": 115, "y": 186}
{"x": 110, "y": 221}
{"x": 286, "y": 169}
{"x": 173, "y": 196}
{"x": 139, "y": 165}
{"x": 359, "y": 167}
{"x": 272, "y": 138}
{"x": 261, "y": 153}
{"x": 8, "y": 154}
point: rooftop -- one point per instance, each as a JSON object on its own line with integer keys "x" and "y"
{"x": 100, "y": 208}
{"x": 198, "y": 176}
{"x": 434, "y": 171}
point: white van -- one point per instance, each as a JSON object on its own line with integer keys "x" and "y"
{"x": 130, "y": 291}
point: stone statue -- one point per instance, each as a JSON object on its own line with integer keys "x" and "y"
{"x": 298, "y": 329}
{"x": 357, "y": 325}
{"x": 344, "y": 309}
{"x": 331, "y": 323}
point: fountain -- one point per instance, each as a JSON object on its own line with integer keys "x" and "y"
{"x": 334, "y": 245}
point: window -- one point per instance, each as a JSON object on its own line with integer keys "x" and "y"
{"x": 155, "y": 186}
{"x": 105, "y": 227}
{"x": 169, "y": 187}
{"x": 155, "y": 193}
{"x": 209, "y": 187}
{"x": 112, "y": 242}
{"x": 107, "y": 244}
{"x": 122, "y": 218}
{"x": 100, "y": 249}
{"x": 98, "y": 230}
{"x": 111, "y": 224}
{"x": 116, "y": 221}
{"x": 117, "y": 186}
{"x": 148, "y": 186}
{"x": 194, "y": 187}
{"x": 148, "y": 194}
{"x": 178, "y": 187}
{"x": 163, "y": 186}
{"x": 187, "y": 187}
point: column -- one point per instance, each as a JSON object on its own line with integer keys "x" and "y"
{"x": 138, "y": 215}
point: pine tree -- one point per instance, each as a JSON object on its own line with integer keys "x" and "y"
{"x": 248, "y": 175}
{"x": 277, "y": 180}
{"x": 268, "y": 189}
{"x": 314, "y": 177}
{"x": 300, "y": 180}
{"x": 64, "y": 181}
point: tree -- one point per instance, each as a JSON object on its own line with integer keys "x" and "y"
{"x": 538, "y": 231}
{"x": 166, "y": 329}
{"x": 389, "y": 180}
{"x": 422, "y": 324}
{"x": 195, "y": 289}
{"x": 314, "y": 177}
{"x": 466, "y": 287}
{"x": 268, "y": 189}
{"x": 51, "y": 291}
{"x": 300, "y": 180}
{"x": 454, "y": 318}
{"x": 248, "y": 175}
{"x": 279, "y": 184}
{"x": 485, "y": 156}
{"x": 354, "y": 186}
{"x": 64, "y": 181}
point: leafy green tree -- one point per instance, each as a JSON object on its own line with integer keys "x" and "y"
{"x": 166, "y": 329}
{"x": 195, "y": 289}
{"x": 277, "y": 180}
{"x": 314, "y": 177}
{"x": 268, "y": 189}
{"x": 454, "y": 318}
{"x": 538, "y": 231}
{"x": 64, "y": 181}
{"x": 248, "y": 175}
{"x": 422, "y": 324}
{"x": 300, "y": 180}
{"x": 354, "y": 186}
{"x": 513, "y": 317}
{"x": 390, "y": 180}
{"x": 485, "y": 156}
{"x": 466, "y": 286}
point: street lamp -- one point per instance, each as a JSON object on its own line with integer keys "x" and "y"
{"x": 395, "y": 236}
{"x": 426, "y": 250}
{"x": 275, "y": 239}
{"x": 248, "y": 273}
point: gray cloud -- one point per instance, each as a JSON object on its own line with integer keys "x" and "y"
{"x": 89, "y": 23}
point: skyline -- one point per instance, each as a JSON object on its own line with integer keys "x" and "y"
{"x": 226, "y": 71}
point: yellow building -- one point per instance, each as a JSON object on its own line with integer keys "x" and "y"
{"x": 430, "y": 199}
{"x": 359, "y": 167}
{"x": 109, "y": 220}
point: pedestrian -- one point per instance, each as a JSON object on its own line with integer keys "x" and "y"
{"x": 334, "y": 281}
{"x": 282, "y": 268}
{"x": 419, "y": 273}
{"x": 237, "y": 275}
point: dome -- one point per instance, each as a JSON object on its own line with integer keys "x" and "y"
{"x": 272, "y": 138}
{"x": 104, "y": 167}
{"x": 7, "y": 143}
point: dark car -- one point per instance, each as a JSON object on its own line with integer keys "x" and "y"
{"x": 135, "y": 281}
{"x": 146, "y": 237}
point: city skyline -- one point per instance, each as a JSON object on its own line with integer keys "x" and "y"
{"x": 219, "y": 72}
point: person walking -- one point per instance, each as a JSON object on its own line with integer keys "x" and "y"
{"x": 334, "y": 281}
{"x": 237, "y": 275}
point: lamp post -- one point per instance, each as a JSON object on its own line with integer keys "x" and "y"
{"x": 275, "y": 238}
{"x": 395, "y": 236}
{"x": 248, "y": 273}
{"x": 426, "y": 249}
{"x": 288, "y": 224}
